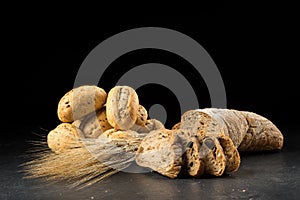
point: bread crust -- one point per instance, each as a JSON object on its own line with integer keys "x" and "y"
{"x": 261, "y": 135}
{"x": 64, "y": 136}
{"x": 248, "y": 131}
{"x": 121, "y": 107}
{"x": 142, "y": 116}
{"x": 79, "y": 102}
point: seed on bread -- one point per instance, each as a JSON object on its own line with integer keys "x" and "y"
{"x": 261, "y": 135}
{"x": 142, "y": 116}
{"x": 79, "y": 102}
{"x": 248, "y": 131}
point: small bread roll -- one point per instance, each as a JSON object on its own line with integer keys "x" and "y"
{"x": 79, "y": 102}
{"x": 64, "y": 136}
{"x": 122, "y": 107}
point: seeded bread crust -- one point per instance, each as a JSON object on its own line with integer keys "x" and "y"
{"x": 161, "y": 151}
{"x": 176, "y": 126}
{"x": 121, "y": 107}
{"x": 64, "y": 136}
{"x": 142, "y": 116}
{"x": 79, "y": 102}
{"x": 262, "y": 134}
{"x": 248, "y": 131}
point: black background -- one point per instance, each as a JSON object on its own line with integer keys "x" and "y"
{"x": 256, "y": 53}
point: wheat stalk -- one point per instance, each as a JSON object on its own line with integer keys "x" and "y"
{"x": 91, "y": 162}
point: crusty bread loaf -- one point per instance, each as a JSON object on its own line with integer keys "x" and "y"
{"x": 79, "y": 102}
{"x": 213, "y": 156}
{"x": 95, "y": 124}
{"x": 262, "y": 134}
{"x": 121, "y": 107}
{"x": 64, "y": 136}
{"x": 248, "y": 131}
{"x": 161, "y": 151}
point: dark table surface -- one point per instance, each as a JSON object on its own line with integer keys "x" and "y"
{"x": 273, "y": 175}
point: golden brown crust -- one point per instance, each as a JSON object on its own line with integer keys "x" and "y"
{"x": 79, "y": 102}
{"x": 142, "y": 116}
{"x": 248, "y": 131}
{"x": 176, "y": 126}
{"x": 64, "y": 136}
{"x": 122, "y": 107}
{"x": 262, "y": 134}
